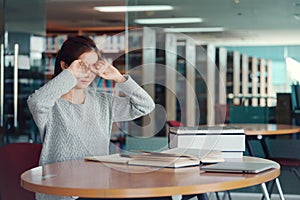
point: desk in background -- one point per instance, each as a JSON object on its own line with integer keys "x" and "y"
{"x": 260, "y": 131}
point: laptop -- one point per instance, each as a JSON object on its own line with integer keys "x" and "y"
{"x": 239, "y": 167}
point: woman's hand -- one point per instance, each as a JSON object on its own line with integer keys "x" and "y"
{"x": 107, "y": 71}
{"x": 79, "y": 69}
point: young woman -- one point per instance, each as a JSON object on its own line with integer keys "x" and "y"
{"x": 75, "y": 120}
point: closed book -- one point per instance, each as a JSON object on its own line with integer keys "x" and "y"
{"x": 207, "y": 130}
{"x": 214, "y": 138}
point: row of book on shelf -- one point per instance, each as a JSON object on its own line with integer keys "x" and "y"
{"x": 105, "y": 43}
{"x": 105, "y": 85}
{"x": 188, "y": 146}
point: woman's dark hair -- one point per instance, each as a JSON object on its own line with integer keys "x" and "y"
{"x": 71, "y": 49}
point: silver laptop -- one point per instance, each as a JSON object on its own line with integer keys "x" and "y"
{"x": 239, "y": 167}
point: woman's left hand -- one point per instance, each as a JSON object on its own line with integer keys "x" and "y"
{"x": 107, "y": 71}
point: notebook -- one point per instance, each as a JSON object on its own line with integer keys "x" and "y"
{"x": 239, "y": 167}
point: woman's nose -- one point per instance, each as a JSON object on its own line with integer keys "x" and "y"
{"x": 89, "y": 74}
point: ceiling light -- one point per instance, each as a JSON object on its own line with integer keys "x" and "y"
{"x": 195, "y": 30}
{"x": 133, "y": 8}
{"x": 183, "y": 20}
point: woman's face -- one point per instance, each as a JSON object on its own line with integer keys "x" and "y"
{"x": 89, "y": 58}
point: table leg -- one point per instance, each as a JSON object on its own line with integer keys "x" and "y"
{"x": 265, "y": 147}
{"x": 249, "y": 147}
{"x": 265, "y": 191}
{"x": 279, "y": 189}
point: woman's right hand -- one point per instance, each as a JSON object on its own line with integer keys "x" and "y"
{"x": 107, "y": 71}
{"x": 79, "y": 69}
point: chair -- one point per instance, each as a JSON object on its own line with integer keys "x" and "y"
{"x": 291, "y": 164}
{"x": 174, "y": 123}
{"x": 15, "y": 159}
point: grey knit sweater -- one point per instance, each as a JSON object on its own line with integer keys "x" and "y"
{"x": 74, "y": 131}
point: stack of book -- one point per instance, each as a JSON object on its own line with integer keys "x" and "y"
{"x": 227, "y": 139}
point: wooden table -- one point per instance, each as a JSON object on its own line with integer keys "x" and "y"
{"x": 94, "y": 179}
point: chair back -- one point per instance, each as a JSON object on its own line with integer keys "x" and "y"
{"x": 15, "y": 159}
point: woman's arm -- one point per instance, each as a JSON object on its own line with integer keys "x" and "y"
{"x": 43, "y": 99}
{"x": 136, "y": 103}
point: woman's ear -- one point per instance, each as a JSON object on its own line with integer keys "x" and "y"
{"x": 63, "y": 65}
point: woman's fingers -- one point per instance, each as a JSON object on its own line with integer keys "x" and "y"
{"x": 84, "y": 67}
{"x": 80, "y": 69}
{"x": 100, "y": 67}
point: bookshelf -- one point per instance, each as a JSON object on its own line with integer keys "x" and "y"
{"x": 236, "y": 77}
{"x": 245, "y": 78}
{"x": 229, "y": 77}
{"x": 187, "y": 105}
{"x": 211, "y": 75}
{"x": 221, "y": 62}
{"x": 190, "y": 87}
{"x": 205, "y": 86}
{"x": 165, "y": 80}
{"x": 181, "y": 81}
{"x": 141, "y": 66}
{"x": 171, "y": 74}
{"x": 262, "y": 83}
{"x": 220, "y": 86}
{"x": 270, "y": 101}
{"x": 248, "y": 80}
{"x": 254, "y": 81}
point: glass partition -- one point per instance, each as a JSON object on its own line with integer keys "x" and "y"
{"x": 23, "y": 30}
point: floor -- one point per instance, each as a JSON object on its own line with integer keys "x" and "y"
{"x": 254, "y": 196}
{"x": 243, "y": 196}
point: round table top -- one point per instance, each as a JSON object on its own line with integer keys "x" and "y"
{"x": 268, "y": 129}
{"x": 103, "y": 180}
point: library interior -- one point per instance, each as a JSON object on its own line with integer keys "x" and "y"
{"x": 205, "y": 63}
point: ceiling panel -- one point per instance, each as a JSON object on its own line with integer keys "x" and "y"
{"x": 246, "y": 22}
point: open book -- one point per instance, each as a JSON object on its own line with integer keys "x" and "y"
{"x": 171, "y": 158}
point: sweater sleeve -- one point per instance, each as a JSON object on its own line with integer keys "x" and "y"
{"x": 136, "y": 103}
{"x": 43, "y": 99}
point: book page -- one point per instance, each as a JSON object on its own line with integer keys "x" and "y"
{"x": 204, "y": 155}
{"x": 114, "y": 158}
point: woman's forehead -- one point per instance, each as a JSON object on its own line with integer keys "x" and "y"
{"x": 89, "y": 57}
